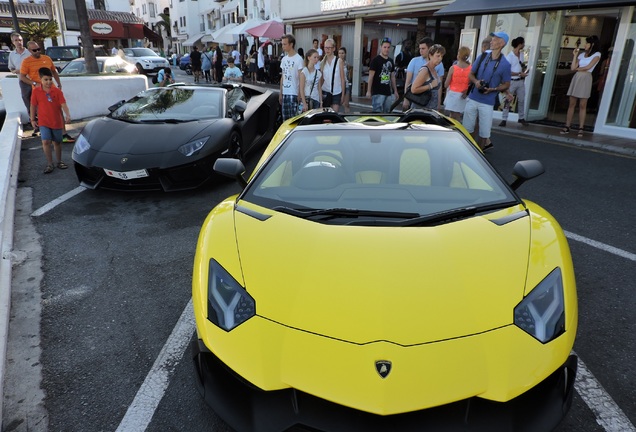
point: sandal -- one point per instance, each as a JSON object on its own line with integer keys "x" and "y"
{"x": 49, "y": 169}
{"x": 565, "y": 130}
{"x": 62, "y": 165}
{"x": 580, "y": 134}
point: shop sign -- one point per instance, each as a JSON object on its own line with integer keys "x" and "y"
{"x": 333, "y": 5}
{"x": 102, "y": 28}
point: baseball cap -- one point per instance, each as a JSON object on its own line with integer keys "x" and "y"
{"x": 502, "y": 35}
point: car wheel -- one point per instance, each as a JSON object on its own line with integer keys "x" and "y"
{"x": 140, "y": 69}
{"x": 236, "y": 146}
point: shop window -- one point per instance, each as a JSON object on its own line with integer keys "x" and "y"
{"x": 622, "y": 110}
{"x": 99, "y": 4}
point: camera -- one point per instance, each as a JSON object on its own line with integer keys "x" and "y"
{"x": 483, "y": 85}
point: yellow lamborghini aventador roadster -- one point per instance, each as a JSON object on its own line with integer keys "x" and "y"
{"x": 376, "y": 273}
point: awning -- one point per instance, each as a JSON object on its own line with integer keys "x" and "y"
{"x": 207, "y": 38}
{"x": 223, "y": 37}
{"x": 243, "y": 27}
{"x": 230, "y": 6}
{"x": 193, "y": 40}
{"x": 487, "y": 7}
{"x": 151, "y": 35}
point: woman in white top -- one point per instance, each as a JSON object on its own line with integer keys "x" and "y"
{"x": 310, "y": 95}
{"x": 333, "y": 76}
{"x": 581, "y": 85}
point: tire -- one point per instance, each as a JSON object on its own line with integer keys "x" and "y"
{"x": 236, "y": 146}
{"x": 140, "y": 69}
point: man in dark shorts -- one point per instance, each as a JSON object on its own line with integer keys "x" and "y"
{"x": 195, "y": 59}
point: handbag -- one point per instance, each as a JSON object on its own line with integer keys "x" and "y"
{"x": 423, "y": 98}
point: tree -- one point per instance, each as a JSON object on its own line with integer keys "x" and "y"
{"x": 87, "y": 40}
{"x": 165, "y": 24}
{"x": 38, "y": 31}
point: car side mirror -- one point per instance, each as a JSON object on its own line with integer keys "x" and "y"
{"x": 115, "y": 106}
{"x": 232, "y": 168}
{"x": 239, "y": 109}
{"x": 526, "y": 170}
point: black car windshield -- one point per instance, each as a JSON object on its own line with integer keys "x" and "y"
{"x": 172, "y": 103}
{"x": 337, "y": 174}
{"x": 140, "y": 52}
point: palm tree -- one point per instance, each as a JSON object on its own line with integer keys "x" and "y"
{"x": 38, "y": 31}
{"x": 164, "y": 23}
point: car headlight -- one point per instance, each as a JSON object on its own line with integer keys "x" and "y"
{"x": 542, "y": 313}
{"x": 193, "y": 146}
{"x": 81, "y": 145}
{"x": 228, "y": 303}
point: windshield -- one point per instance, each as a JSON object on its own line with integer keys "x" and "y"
{"x": 140, "y": 52}
{"x": 79, "y": 67}
{"x": 172, "y": 103}
{"x": 63, "y": 53}
{"x": 411, "y": 172}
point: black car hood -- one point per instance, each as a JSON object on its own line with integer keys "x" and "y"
{"x": 112, "y": 136}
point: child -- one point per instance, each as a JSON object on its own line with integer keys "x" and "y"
{"x": 49, "y": 102}
{"x": 232, "y": 73}
{"x": 310, "y": 95}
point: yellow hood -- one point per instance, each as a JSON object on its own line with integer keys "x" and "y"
{"x": 406, "y": 285}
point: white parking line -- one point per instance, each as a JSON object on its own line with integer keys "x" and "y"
{"x": 608, "y": 414}
{"x": 602, "y": 246}
{"x": 56, "y": 202}
{"x": 151, "y": 392}
{"x": 139, "y": 414}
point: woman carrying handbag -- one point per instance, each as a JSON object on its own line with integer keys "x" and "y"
{"x": 424, "y": 92}
{"x": 310, "y": 94}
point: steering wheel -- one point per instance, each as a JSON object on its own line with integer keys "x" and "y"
{"x": 327, "y": 153}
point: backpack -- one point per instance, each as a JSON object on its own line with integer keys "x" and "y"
{"x": 155, "y": 79}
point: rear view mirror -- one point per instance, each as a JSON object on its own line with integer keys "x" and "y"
{"x": 232, "y": 168}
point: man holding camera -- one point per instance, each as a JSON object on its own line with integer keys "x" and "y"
{"x": 490, "y": 74}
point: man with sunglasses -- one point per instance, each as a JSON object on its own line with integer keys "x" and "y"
{"x": 382, "y": 79}
{"x": 30, "y": 72}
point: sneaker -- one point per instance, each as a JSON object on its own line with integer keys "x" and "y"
{"x": 66, "y": 138}
{"x": 523, "y": 122}
{"x": 503, "y": 123}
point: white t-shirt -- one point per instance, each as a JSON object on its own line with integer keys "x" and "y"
{"x": 515, "y": 64}
{"x": 309, "y": 81}
{"x": 327, "y": 73}
{"x": 290, "y": 69}
{"x": 584, "y": 61}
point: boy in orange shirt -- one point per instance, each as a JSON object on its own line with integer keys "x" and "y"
{"x": 49, "y": 103}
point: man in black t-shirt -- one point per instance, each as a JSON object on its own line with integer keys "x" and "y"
{"x": 382, "y": 79}
{"x": 195, "y": 60}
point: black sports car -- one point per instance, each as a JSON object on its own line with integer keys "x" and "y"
{"x": 168, "y": 138}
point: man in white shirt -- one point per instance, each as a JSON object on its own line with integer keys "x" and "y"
{"x": 113, "y": 50}
{"x": 290, "y": 66}
{"x": 317, "y": 48}
{"x": 517, "y": 85}
{"x": 237, "y": 57}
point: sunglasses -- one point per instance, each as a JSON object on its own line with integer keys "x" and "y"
{"x": 36, "y": 50}
{"x": 48, "y": 97}
{"x": 385, "y": 40}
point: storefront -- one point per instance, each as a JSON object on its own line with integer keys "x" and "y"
{"x": 359, "y": 25}
{"x": 551, "y": 36}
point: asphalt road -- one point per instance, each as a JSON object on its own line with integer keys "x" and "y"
{"x": 117, "y": 267}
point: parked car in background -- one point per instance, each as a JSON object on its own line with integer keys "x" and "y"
{"x": 146, "y": 60}
{"x": 168, "y": 138}
{"x": 4, "y": 61}
{"x": 105, "y": 65}
{"x": 184, "y": 61}
{"x": 61, "y": 55}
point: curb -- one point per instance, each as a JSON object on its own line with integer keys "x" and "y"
{"x": 9, "y": 166}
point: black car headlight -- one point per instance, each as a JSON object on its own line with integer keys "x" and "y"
{"x": 81, "y": 145}
{"x": 228, "y": 303}
{"x": 542, "y": 313}
{"x": 193, "y": 147}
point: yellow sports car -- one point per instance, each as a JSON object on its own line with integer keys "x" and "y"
{"x": 376, "y": 273}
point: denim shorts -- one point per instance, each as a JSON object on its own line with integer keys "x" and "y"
{"x": 49, "y": 134}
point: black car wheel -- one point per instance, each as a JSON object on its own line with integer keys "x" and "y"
{"x": 236, "y": 146}
{"x": 140, "y": 69}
